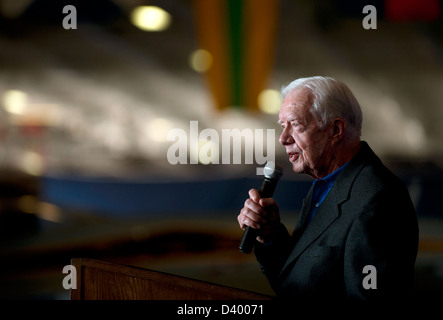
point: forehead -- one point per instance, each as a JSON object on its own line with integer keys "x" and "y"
{"x": 297, "y": 104}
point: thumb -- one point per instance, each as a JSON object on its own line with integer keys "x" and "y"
{"x": 268, "y": 203}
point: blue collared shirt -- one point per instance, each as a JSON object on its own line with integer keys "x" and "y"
{"x": 321, "y": 190}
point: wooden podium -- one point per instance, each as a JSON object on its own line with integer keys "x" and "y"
{"x": 98, "y": 280}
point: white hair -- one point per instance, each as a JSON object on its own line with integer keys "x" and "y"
{"x": 332, "y": 99}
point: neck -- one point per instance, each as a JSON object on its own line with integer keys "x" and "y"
{"x": 342, "y": 154}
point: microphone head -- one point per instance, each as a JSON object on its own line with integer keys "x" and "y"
{"x": 272, "y": 170}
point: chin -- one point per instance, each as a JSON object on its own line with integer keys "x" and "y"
{"x": 297, "y": 168}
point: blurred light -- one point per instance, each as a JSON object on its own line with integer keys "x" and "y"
{"x": 13, "y": 9}
{"x": 111, "y": 135}
{"x": 44, "y": 113}
{"x": 15, "y": 101}
{"x": 201, "y": 60}
{"x": 43, "y": 210}
{"x": 415, "y": 133}
{"x": 269, "y": 101}
{"x": 27, "y": 204}
{"x": 48, "y": 211}
{"x": 32, "y": 163}
{"x": 158, "y": 129}
{"x": 150, "y": 18}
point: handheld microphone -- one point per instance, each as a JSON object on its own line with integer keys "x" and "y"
{"x": 272, "y": 172}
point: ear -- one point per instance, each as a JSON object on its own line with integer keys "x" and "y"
{"x": 339, "y": 129}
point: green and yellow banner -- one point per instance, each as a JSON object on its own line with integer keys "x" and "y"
{"x": 240, "y": 36}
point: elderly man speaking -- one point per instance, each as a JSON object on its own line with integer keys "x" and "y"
{"x": 357, "y": 234}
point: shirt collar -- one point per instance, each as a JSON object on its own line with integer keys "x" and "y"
{"x": 330, "y": 178}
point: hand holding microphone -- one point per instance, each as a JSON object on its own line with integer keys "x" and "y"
{"x": 260, "y": 213}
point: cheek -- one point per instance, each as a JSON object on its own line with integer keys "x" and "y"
{"x": 303, "y": 143}
{"x": 312, "y": 149}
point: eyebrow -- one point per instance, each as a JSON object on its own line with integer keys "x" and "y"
{"x": 289, "y": 120}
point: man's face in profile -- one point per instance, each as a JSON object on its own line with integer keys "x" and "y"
{"x": 306, "y": 143}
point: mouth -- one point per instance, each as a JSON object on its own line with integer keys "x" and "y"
{"x": 293, "y": 156}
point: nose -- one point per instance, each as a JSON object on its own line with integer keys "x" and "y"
{"x": 286, "y": 137}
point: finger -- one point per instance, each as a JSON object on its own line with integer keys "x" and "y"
{"x": 242, "y": 220}
{"x": 247, "y": 222}
{"x": 254, "y": 216}
{"x": 260, "y": 239}
{"x": 250, "y": 218}
{"x": 272, "y": 210}
{"x": 254, "y": 195}
{"x": 255, "y": 207}
{"x": 268, "y": 203}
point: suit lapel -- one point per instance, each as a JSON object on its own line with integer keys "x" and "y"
{"x": 329, "y": 210}
{"x": 304, "y": 212}
{"x": 325, "y": 215}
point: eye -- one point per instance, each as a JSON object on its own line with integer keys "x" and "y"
{"x": 294, "y": 123}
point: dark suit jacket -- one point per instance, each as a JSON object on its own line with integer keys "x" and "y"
{"x": 367, "y": 218}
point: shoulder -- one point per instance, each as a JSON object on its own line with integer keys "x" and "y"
{"x": 368, "y": 185}
{"x": 368, "y": 172}
{"x": 377, "y": 177}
